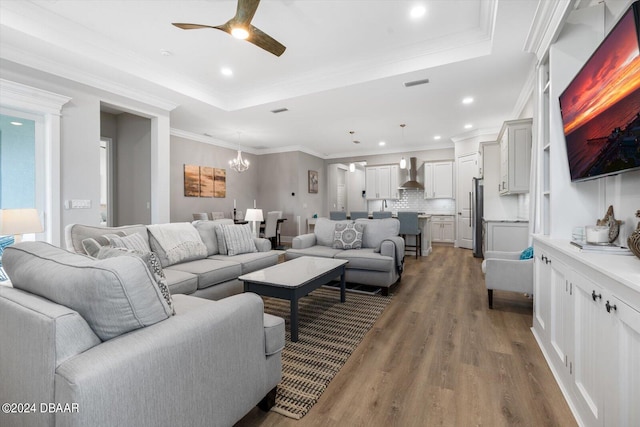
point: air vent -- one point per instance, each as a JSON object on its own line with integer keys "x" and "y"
{"x": 279, "y": 110}
{"x": 416, "y": 83}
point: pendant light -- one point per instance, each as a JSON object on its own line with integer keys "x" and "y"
{"x": 403, "y": 162}
{"x": 239, "y": 164}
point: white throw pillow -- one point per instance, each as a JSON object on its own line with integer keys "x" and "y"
{"x": 238, "y": 239}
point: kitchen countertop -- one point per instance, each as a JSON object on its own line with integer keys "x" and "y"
{"x": 505, "y": 220}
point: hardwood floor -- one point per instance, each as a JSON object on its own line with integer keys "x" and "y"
{"x": 439, "y": 357}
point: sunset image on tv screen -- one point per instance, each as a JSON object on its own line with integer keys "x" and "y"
{"x": 601, "y": 106}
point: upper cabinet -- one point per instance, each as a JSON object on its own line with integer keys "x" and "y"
{"x": 438, "y": 180}
{"x": 515, "y": 156}
{"x": 382, "y": 182}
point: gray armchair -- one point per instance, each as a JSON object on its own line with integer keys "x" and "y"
{"x": 505, "y": 271}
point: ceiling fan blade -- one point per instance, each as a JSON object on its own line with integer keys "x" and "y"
{"x": 191, "y": 26}
{"x": 245, "y": 11}
{"x": 265, "y": 41}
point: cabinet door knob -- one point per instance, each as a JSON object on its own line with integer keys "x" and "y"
{"x": 610, "y": 307}
{"x": 594, "y": 296}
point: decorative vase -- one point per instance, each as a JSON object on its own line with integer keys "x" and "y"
{"x": 634, "y": 240}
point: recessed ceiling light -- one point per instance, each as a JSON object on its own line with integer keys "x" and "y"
{"x": 382, "y": 143}
{"x": 418, "y": 12}
{"x": 437, "y": 137}
{"x": 468, "y": 126}
{"x": 467, "y": 100}
{"x": 226, "y": 71}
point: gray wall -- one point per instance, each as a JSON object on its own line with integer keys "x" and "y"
{"x": 133, "y": 170}
{"x": 240, "y": 186}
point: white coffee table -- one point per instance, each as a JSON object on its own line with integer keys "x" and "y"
{"x": 295, "y": 279}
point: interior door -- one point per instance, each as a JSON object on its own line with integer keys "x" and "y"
{"x": 466, "y": 170}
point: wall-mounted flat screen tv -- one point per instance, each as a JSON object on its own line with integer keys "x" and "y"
{"x": 601, "y": 106}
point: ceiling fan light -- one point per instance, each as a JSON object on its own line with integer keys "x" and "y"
{"x": 240, "y": 33}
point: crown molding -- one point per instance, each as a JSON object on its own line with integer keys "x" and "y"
{"x": 525, "y": 93}
{"x": 30, "y": 99}
{"x": 212, "y": 141}
{"x": 548, "y": 20}
{"x": 486, "y": 134}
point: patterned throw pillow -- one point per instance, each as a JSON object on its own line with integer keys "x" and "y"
{"x": 238, "y": 239}
{"x": 348, "y": 235}
{"x": 153, "y": 264}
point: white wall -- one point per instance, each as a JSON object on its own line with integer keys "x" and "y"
{"x": 582, "y": 203}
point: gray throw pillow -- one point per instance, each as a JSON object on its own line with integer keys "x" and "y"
{"x": 348, "y": 236}
{"x": 92, "y": 245}
{"x": 114, "y": 295}
{"x": 153, "y": 265}
{"x": 222, "y": 246}
{"x": 239, "y": 239}
{"x": 135, "y": 242}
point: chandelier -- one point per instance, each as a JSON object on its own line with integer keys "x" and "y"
{"x": 239, "y": 164}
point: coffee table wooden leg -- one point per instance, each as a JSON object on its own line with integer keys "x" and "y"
{"x": 343, "y": 288}
{"x": 294, "y": 319}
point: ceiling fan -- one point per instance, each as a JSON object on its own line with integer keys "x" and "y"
{"x": 240, "y": 27}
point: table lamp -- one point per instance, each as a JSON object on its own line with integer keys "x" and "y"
{"x": 19, "y": 221}
{"x": 253, "y": 216}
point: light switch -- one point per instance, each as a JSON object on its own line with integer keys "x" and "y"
{"x": 80, "y": 204}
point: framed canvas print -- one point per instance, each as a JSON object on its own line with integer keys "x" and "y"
{"x": 313, "y": 181}
{"x": 219, "y": 182}
{"x": 191, "y": 181}
{"x": 206, "y": 181}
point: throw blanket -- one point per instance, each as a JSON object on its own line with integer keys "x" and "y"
{"x": 399, "y": 255}
{"x": 179, "y": 242}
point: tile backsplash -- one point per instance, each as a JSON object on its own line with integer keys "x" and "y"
{"x": 413, "y": 200}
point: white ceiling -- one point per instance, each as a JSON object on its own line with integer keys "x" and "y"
{"x": 343, "y": 70}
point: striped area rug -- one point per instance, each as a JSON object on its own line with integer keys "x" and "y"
{"x": 328, "y": 333}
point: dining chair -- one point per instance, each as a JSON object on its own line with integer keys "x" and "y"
{"x": 216, "y": 215}
{"x": 409, "y": 227}
{"x": 337, "y": 215}
{"x": 278, "y": 228}
{"x": 270, "y": 227}
{"x": 359, "y": 214}
{"x": 200, "y": 216}
{"x": 381, "y": 214}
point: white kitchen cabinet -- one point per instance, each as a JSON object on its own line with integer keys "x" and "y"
{"x": 587, "y": 323}
{"x": 442, "y": 229}
{"x": 515, "y": 156}
{"x": 438, "y": 180}
{"x": 381, "y": 182}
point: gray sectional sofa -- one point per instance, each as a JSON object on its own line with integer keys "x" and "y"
{"x": 96, "y": 342}
{"x": 206, "y": 270}
{"x": 378, "y": 262}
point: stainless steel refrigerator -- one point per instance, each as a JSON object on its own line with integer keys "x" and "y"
{"x": 476, "y": 216}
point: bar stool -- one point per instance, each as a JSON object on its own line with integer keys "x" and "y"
{"x": 359, "y": 214}
{"x": 409, "y": 226}
{"x": 381, "y": 214}
{"x": 337, "y": 215}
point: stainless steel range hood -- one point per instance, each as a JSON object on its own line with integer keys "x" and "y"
{"x": 413, "y": 183}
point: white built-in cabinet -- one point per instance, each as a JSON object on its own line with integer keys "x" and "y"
{"x": 382, "y": 182}
{"x": 442, "y": 229}
{"x": 587, "y": 321}
{"x": 438, "y": 180}
{"x": 515, "y": 156}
